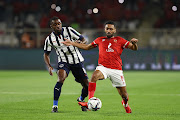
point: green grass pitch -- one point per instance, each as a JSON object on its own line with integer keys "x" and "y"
{"x": 28, "y": 95}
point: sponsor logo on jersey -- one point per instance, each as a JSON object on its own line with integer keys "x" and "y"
{"x": 103, "y": 40}
{"x": 109, "y": 48}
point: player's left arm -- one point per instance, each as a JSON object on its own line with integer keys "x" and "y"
{"x": 133, "y": 44}
{"x": 79, "y": 45}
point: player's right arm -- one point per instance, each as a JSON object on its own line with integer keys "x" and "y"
{"x": 78, "y": 45}
{"x": 47, "y": 61}
{"x": 47, "y": 51}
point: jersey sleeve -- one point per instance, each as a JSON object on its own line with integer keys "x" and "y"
{"x": 47, "y": 46}
{"x": 95, "y": 42}
{"x": 124, "y": 43}
{"x": 75, "y": 34}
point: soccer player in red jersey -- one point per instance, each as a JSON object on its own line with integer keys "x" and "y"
{"x": 109, "y": 63}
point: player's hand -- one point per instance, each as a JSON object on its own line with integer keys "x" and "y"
{"x": 50, "y": 69}
{"x": 134, "y": 40}
{"x": 81, "y": 42}
{"x": 67, "y": 42}
{"x": 78, "y": 41}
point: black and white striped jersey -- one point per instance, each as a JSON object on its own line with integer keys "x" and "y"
{"x": 68, "y": 54}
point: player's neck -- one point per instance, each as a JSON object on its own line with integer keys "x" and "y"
{"x": 57, "y": 32}
{"x": 109, "y": 37}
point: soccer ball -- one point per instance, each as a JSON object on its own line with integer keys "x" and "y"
{"x": 94, "y": 104}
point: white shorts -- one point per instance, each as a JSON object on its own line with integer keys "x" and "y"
{"x": 116, "y": 76}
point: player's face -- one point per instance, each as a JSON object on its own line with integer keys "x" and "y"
{"x": 110, "y": 30}
{"x": 56, "y": 25}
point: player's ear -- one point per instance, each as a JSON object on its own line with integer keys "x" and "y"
{"x": 114, "y": 30}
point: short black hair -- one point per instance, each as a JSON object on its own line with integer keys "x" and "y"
{"x": 54, "y": 18}
{"x": 110, "y": 22}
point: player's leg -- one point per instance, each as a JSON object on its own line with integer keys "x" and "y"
{"x": 97, "y": 75}
{"x": 122, "y": 91}
{"x": 57, "y": 89}
{"x": 84, "y": 94}
{"x": 92, "y": 85}
{"x": 84, "y": 91}
{"x": 62, "y": 74}
{"x": 81, "y": 77}
{"x": 118, "y": 81}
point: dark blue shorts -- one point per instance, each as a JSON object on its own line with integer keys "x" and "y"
{"x": 77, "y": 70}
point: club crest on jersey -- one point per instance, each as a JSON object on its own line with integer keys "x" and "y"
{"x": 115, "y": 41}
{"x": 103, "y": 40}
{"x": 66, "y": 37}
{"x": 109, "y": 48}
{"x": 61, "y": 65}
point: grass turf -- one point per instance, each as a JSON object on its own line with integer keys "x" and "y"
{"x": 28, "y": 95}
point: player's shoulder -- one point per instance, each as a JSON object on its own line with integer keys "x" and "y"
{"x": 121, "y": 39}
{"x": 69, "y": 27}
{"x": 118, "y": 37}
{"x": 50, "y": 36}
{"x": 103, "y": 37}
{"x": 64, "y": 27}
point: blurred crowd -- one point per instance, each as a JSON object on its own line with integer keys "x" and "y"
{"x": 21, "y": 14}
{"x": 36, "y": 13}
{"x": 169, "y": 18}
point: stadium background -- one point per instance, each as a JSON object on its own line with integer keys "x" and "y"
{"x": 24, "y": 25}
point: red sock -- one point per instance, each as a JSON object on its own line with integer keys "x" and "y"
{"x": 91, "y": 89}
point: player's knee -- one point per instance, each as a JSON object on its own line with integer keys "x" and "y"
{"x": 94, "y": 78}
{"x": 85, "y": 85}
{"x": 97, "y": 75}
{"x": 84, "y": 82}
{"x": 61, "y": 80}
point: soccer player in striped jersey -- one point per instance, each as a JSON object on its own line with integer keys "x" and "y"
{"x": 109, "y": 63}
{"x": 69, "y": 59}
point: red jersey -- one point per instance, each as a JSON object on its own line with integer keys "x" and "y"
{"x": 110, "y": 50}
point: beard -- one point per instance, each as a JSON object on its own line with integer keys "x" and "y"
{"x": 58, "y": 32}
{"x": 109, "y": 35}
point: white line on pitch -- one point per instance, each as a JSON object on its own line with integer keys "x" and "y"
{"x": 45, "y": 93}
{"x": 33, "y": 93}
